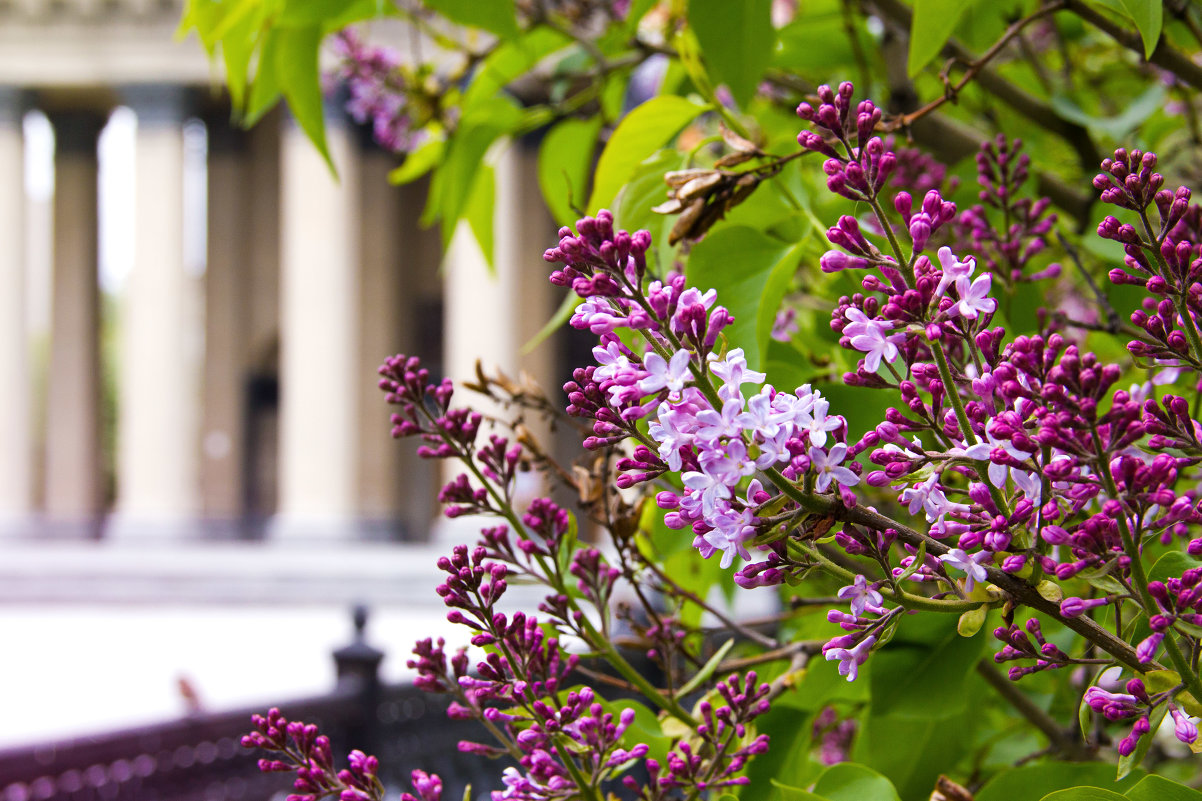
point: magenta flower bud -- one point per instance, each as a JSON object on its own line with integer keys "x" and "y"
{"x": 1075, "y": 607}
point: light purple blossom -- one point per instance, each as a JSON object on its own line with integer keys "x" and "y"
{"x": 732, "y": 369}
{"x": 974, "y": 297}
{"x": 870, "y": 337}
{"x": 861, "y": 596}
{"x": 826, "y": 466}
{"x": 671, "y": 375}
{"x": 850, "y": 659}
{"x": 961, "y": 560}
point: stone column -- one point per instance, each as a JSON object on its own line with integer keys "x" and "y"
{"x": 490, "y": 316}
{"x": 16, "y": 453}
{"x": 319, "y": 292}
{"x": 227, "y": 311}
{"x": 159, "y": 400}
{"x": 387, "y": 303}
{"x": 74, "y": 494}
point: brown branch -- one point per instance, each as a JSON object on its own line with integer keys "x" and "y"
{"x": 1163, "y": 56}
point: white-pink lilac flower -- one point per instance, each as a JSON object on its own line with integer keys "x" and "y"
{"x": 931, "y": 499}
{"x": 850, "y": 659}
{"x": 953, "y": 269}
{"x": 871, "y": 337}
{"x": 713, "y": 425}
{"x": 819, "y": 424}
{"x": 826, "y": 467}
{"x": 732, "y": 370}
{"x": 673, "y": 430}
{"x": 974, "y": 297}
{"x": 961, "y": 560}
{"x": 597, "y": 316}
{"x": 861, "y": 596}
{"x": 671, "y": 375}
{"x": 731, "y": 530}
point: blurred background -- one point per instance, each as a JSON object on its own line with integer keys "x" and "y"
{"x": 196, "y": 478}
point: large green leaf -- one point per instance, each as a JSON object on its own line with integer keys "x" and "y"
{"x": 744, "y": 265}
{"x": 912, "y": 752}
{"x": 637, "y": 136}
{"x": 479, "y": 209}
{"x": 299, "y": 80}
{"x": 737, "y": 39}
{"x": 926, "y": 658}
{"x": 1148, "y": 16}
{"x": 645, "y": 190}
{"x": 1172, "y": 565}
{"x": 1083, "y": 794}
{"x": 496, "y": 16}
{"x": 506, "y": 63}
{"x": 456, "y": 177}
{"x": 1158, "y": 788}
{"x": 1033, "y": 782}
{"x": 934, "y": 21}
{"x": 848, "y": 781}
{"x": 786, "y": 792}
{"x": 564, "y": 159}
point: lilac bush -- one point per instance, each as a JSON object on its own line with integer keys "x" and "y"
{"x": 987, "y": 458}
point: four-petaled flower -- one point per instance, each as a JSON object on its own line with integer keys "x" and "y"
{"x": 961, "y": 560}
{"x": 850, "y": 659}
{"x": 861, "y": 596}
{"x": 826, "y": 465}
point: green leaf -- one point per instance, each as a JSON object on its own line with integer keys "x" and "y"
{"x": 1158, "y": 788}
{"x": 745, "y": 266}
{"x": 496, "y": 16}
{"x": 1134, "y": 113}
{"x": 420, "y": 161}
{"x": 564, "y": 158}
{"x": 454, "y": 180}
{"x": 1148, "y": 16}
{"x": 927, "y": 658}
{"x": 329, "y": 15}
{"x": 707, "y": 669}
{"x": 558, "y": 320}
{"x": 934, "y": 21}
{"x": 637, "y": 136}
{"x": 971, "y": 621}
{"x": 507, "y": 62}
{"x": 1083, "y": 794}
{"x": 481, "y": 202}
{"x": 848, "y": 781}
{"x": 1033, "y": 782}
{"x": 785, "y": 792}
{"x": 1172, "y": 565}
{"x": 737, "y": 40}
{"x": 299, "y": 79}
{"x": 912, "y": 752}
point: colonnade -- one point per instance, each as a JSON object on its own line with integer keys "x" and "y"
{"x": 245, "y": 394}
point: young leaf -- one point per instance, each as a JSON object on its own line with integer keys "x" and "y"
{"x": 707, "y": 669}
{"x": 934, "y": 21}
{"x": 496, "y": 16}
{"x": 737, "y": 40}
{"x": 848, "y": 781}
{"x": 749, "y": 292}
{"x": 564, "y": 159}
{"x": 481, "y": 202}
{"x": 637, "y": 136}
{"x": 299, "y": 79}
{"x": 971, "y": 621}
{"x": 1083, "y": 794}
{"x": 1148, "y": 16}
{"x": 1158, "y": 788}
{"x": 420, "y": 161}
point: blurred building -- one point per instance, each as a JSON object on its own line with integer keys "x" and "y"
{"x": 236, "y": 399}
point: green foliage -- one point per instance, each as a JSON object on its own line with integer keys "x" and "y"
{"x": 640, "y": 133}
{"x": 934, "y": 21}
{"x": 1148, "y": 16}
{"x": 1033, "y": 782}
{"x": 737, "y": 39}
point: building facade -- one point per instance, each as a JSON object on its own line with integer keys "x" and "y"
{"x": 237, "y": 398}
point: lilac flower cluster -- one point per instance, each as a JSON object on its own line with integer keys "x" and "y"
{"x": 702, "y": 424}
{"x": 379, "y": 92}
{"x": 298, "y": 748}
